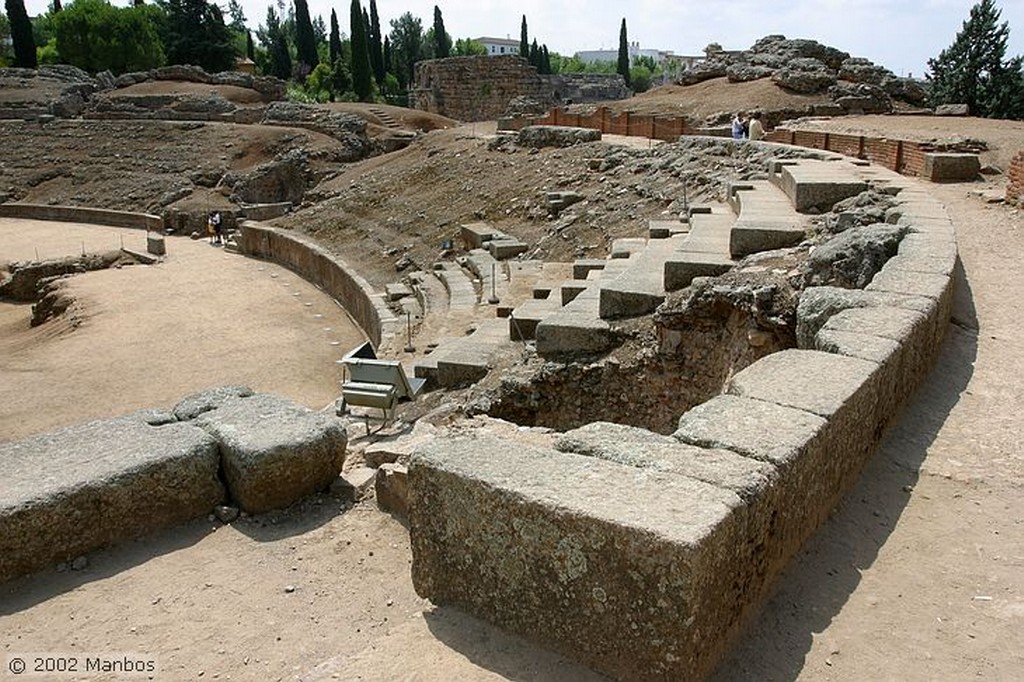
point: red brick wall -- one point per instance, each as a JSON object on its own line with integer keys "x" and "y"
{"x": 1015, "y": 184}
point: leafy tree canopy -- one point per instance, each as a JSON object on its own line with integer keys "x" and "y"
{"x": 96, "y": 36}
{"x": 196, "y": 34}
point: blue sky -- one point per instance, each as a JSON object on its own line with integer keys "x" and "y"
{"x": 898, "y": 34}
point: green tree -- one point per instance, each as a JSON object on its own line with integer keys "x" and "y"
{"x": 56, "y": 7}
{"x": 442, "y": 41}
{"x": 545, "y": 60}
{"x": 96, "y": 36}
{"x": 196, "y": 34}
{"x": 6, "y": 53}
{"x": 360, "y": 53}
{"x": 406, "y": 46}
{"x": 622, "y": 65}
{"x": 21, "y": 34}
{"x": 974, "y": 70}
{"x": 237, "y": 15}
{"x": 376, "y": 46}
{"x": 335, "y": 40}
{"x": 534, "y": 57}
{"x": 279, "y": 58}
{"x": 524, "y": 40}
{"x": 250, "y": 49}
{"x": 467, "y": 47}
{"x": 305, "y": 40}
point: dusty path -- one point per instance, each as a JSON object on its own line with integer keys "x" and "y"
{"x": 920, "y": 573}
{"x": 153, "y": 334}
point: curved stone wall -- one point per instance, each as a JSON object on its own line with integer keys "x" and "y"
{"x": 317, "y": 265}
{"x": 79, "y": 214}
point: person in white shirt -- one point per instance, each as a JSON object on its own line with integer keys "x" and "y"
{"x": 756, "y": 129}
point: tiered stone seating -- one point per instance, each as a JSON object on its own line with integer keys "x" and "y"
{"x": 814, "y": 185}
{"x": 766, "y": 219}
{"x": 704, "y": 252}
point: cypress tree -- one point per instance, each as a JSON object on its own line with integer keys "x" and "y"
{"x": 622, "y": 66}
{"x": 535, "y": 55}
{"x": 972, "y": 70}
{"x": 389, "y": 57}
{"x": 335, "y": 41}
{"x": 250, "y": 49}
{"x": 57, "y": 6}
{"x": 21, "y": 34}
{"x": 377, "y": 61}
{"x": 524, "y": 42}
{"x": 545, "y": 60}
{"x": 442, "y": 42}
{"x": 360, "y": 54}
{"x": 305, "y": 40}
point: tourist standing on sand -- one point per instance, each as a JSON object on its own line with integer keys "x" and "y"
{"x": 218, "y": 227}
{"x": 739, "y": 126}
{"x": 756, "y": 128}
{"x": 211, "y": 231}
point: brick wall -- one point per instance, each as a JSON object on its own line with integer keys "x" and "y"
{"x": 1015, "y": 184}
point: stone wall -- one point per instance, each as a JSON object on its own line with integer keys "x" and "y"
{"x": 79, "y": 214}
{"x": 316, "y": 265}
{"x": 475, "y": 88}
{"x": 573, "y": 88}
{"x": 1015, "y": 183}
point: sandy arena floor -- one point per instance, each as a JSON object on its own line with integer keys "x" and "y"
{"x": 153, "y": 334}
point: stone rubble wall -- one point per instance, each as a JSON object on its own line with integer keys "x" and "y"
{"x": 643, "y": 557}
{"x": 1015, "y": 184}
{"x": 475, "y": 88}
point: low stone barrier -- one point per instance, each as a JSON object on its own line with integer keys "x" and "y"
{"x": 317, "y": 265}
{"x": 88, "y": 486}
{"x": 80, "y": 214}
{"x": 642, "y": 555}
{"x": 76, "y": 489}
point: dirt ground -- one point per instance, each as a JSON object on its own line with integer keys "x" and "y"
{"x": 148, "y": 335}
{"x": 918, "y": 575}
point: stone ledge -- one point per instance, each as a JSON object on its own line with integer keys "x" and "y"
{"x": 87, "y": 486}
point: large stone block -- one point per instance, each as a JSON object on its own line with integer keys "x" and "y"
{"x": 647, "y": 585}
{"x": 949, "y": 167}
{"x": 83, "y": 487}
{"x": 275, "y": 452}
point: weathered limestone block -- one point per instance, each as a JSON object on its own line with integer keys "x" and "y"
{"x": 83, "y": 487}
{"x": 895, "y": 338}
{"x": 275, "y": 452}
{"x": 818, "y": 304}
{"x": 649, "y": 585}
{"x": 947, "y": 167}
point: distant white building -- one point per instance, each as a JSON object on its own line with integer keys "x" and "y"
{"x": 593, "y": 56}
{"x": 499, "y": 46}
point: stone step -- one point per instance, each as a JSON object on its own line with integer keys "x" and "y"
{"x": 766, "y": 219}
{"x": 463, "y": 360}
{"x": 704, "y": 252}
{"x": 640, "y": 289}
{"x": 814, "y": 186}
{"x": 462, "y": 293}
